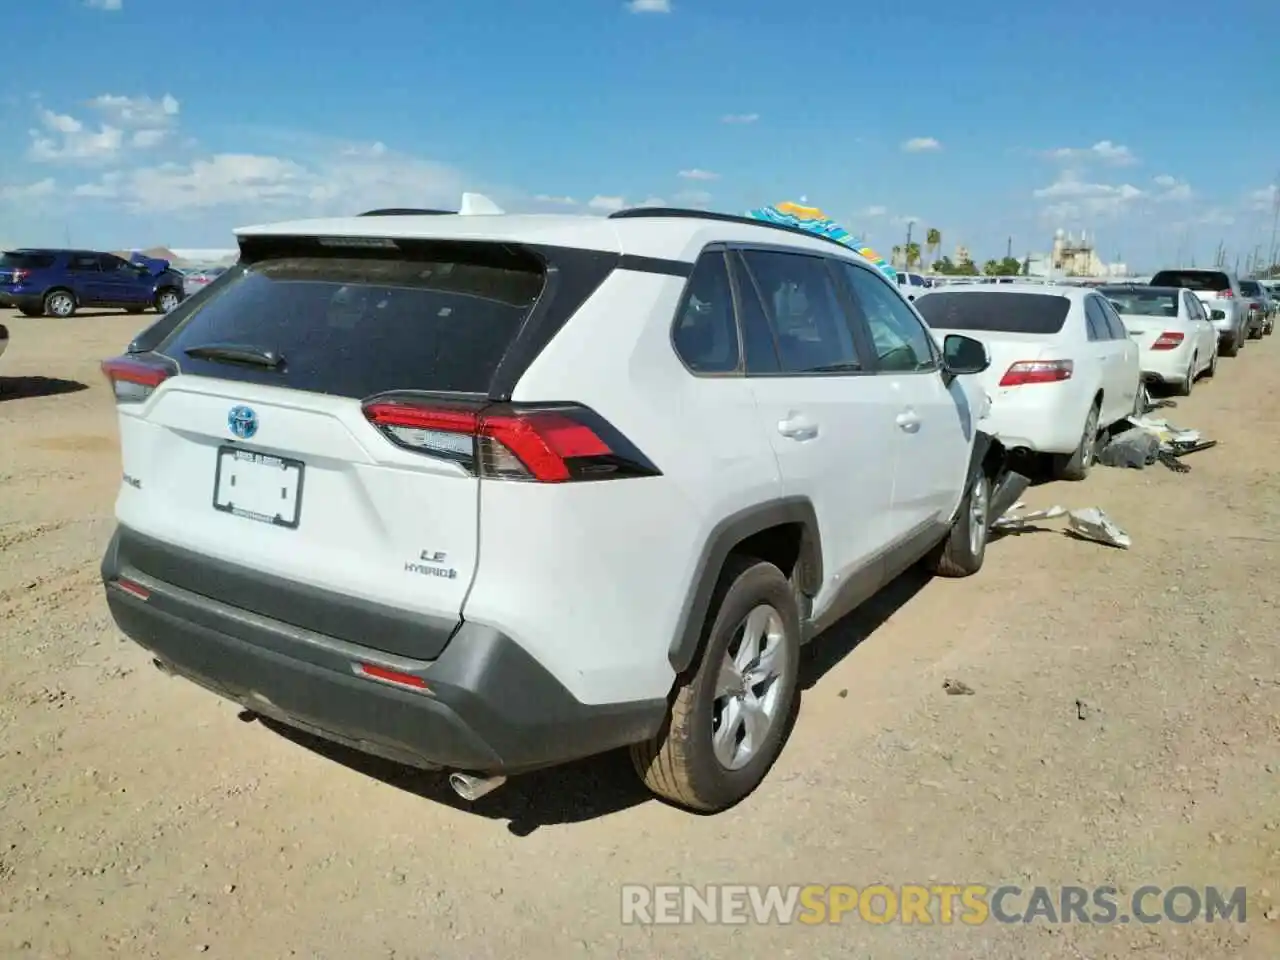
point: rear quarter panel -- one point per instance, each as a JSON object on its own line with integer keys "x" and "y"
{"x": 591, "y": 578}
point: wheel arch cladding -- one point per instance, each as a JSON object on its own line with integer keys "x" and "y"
{"x": 786, "y": 527}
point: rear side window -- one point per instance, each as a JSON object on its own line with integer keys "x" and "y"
{"x": 354, "y": 323}
{"x": 811, "y": 329}
{"x": 1209, "y": 281}
{"x": 1250, "y": 288}
{"x": 706, "y": 334}
{"x": 1040, "y": 314}
{"x": 26, "y": 261}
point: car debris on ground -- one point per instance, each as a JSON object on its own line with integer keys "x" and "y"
{"x": 1087, "y": 523}
{"x": 1149, "y": 440}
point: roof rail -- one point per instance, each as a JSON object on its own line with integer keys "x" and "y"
{"x": 407, "y": 212}
{"x": 644, "y": 213}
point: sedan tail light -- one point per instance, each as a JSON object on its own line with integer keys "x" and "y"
{"x": 1037, "y": 371}
{"x": 1169, "y": 340}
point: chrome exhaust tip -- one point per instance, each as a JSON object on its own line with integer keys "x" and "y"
{"x": 471, "y": 788}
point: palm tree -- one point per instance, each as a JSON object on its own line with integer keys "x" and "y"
{"x": 912, "y": 252}
{"x": 933, "y": 241}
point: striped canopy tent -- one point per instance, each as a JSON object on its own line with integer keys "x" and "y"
{"x": 813, "y": 220}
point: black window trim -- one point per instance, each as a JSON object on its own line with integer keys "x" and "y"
{"x": 935, "y": 369}
{"x": 739, "y": 266}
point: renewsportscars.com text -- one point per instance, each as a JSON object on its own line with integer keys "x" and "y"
{"x": 970, "y": 904}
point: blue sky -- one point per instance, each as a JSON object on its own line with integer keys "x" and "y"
{"x": 1151, "y": 124}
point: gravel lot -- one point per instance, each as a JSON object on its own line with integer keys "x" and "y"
{"x": 139, "y": 817}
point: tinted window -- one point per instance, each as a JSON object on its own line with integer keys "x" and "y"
{"x": 26, "y": 261}
{"x": 760, "y": 349}
{"x": 1097, "y": 319}
{"x": 84, "y": 263}
{"x": 1030, "y": 313}
{"x": 1206, "y": 280}
{"x": 1143, "y": 303}
{"x": 706, "y": 334}
{"x": 901, "y": 342}
{"x": 354, "y": 325}
{"x": 801, "y": 302}
{"x": 1250, "y": 288}
{"x": 1114, "y": 324}
{"x": 110, "y": 263}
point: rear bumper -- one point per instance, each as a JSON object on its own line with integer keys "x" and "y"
{"x": 488, "y": 706}
{"x": 21, "y": 301}
{"x": 1039, "y": 418}
{"x": 1166, "y": 366}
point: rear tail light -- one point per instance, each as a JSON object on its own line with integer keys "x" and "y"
{"x": 1037, "y": 371}
{"x": 1168, "y": 340}
{"x": 20, "y": 275}
{"x": 1225, "y": 294}
{"x": 134, "y": 379}
{"x": 545, "y": 444}
{"x": 375, "y": 672}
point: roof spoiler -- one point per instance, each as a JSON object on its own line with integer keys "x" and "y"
{"x": 473, "y": 205}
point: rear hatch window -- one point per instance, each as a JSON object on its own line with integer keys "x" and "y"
{"x": 354, "y": 322}
{"x": 1250, "y": 288}
{"x": 1029, "y": 313}
{"x": 1143, "y": 303}
{"x": 1205, "y": 281}
{"x": 26, "y": 261}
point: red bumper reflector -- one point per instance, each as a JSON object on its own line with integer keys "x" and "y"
{"x": 134, "y": 589}
{"x": 392, "y": 676}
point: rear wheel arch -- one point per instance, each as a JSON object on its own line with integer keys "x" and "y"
{"x": 783, "y": 532}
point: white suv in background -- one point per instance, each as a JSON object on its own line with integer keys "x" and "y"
{"x": 488, "y": 493}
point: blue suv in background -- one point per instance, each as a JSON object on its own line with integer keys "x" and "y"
{"x": 60, "y": 282}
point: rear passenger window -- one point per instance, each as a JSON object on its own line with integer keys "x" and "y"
{"x": 759, "y": 348}
{"x": 1097, "y": 322}
{"x": 706, "y": 334}
{"x": 800, "y": 299}
{"x": 1115, "y": 326}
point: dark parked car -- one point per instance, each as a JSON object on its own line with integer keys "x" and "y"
{"x": 59, "y": 282}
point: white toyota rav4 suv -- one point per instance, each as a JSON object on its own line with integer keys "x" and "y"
{"x": 485, "y": 494}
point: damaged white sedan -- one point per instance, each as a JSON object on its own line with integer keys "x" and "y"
{"x": 1177, "y": 342}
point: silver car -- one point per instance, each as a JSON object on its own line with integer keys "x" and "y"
{"x": 1220, "y": 292}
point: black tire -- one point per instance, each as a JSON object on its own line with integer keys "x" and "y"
{"x": 1229, "y": 347}
{"x": 167, "y": 295}
{"x": 1184, "y": 387}
{"x": 31, "y": 312}
{"x": 1075, "y": 466}
{"x": 1213, "y": 367}
{"x": 680, "y": 763}
{"x": 60, "y": 304}
{"x": 962, "y": 552}
{"x": 1255, "y": 332}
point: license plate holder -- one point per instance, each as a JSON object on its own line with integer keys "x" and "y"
{"x": 258, "y": 486}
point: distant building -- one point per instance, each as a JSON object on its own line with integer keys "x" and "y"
{"x": 1072, "y": 257}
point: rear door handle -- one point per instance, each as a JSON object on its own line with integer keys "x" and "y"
{"x": 908, "y": 422}
{"x": 797, "y": 427}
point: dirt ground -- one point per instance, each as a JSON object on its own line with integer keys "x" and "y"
{"x": 140, "y": 817}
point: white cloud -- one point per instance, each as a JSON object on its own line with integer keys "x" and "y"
{"x": 1104, "y": 151}
{"x": 17, "y": 192}
{"x": 649, "y": 6}
{"x": 653, "y": 202}
{"x": 696, "y": 174}
{"x": 62, "y": 137}
{"x": 1075, "y": 198}
{"x": 874, "y": 211}
{"x": 110, "y": 5}
{"x": 557, "y": 201}
{"x": 921, "y": 145}
{"x": 362, "y": 176}
{"x": 740, "y": 118}
{"x": 136, "y": 112}
{"x": 1171, "y": 189}
{"x": 1264, "y": 199}
{"x": 127, "y": 123}
{"x": 607, "y": 204}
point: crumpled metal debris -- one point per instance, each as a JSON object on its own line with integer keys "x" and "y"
{"x": 1089, "y": 523}
{"x": 1150, "y": 440}
{"x": 1134, "y": 448}
{"x": 1093, "y": 524}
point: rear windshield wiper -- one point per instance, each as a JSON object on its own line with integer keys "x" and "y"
{"x": 237, "y": 353}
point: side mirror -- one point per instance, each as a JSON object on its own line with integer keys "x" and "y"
{"x": 1217, "y": 315}
{"x": 964, "y": 355}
